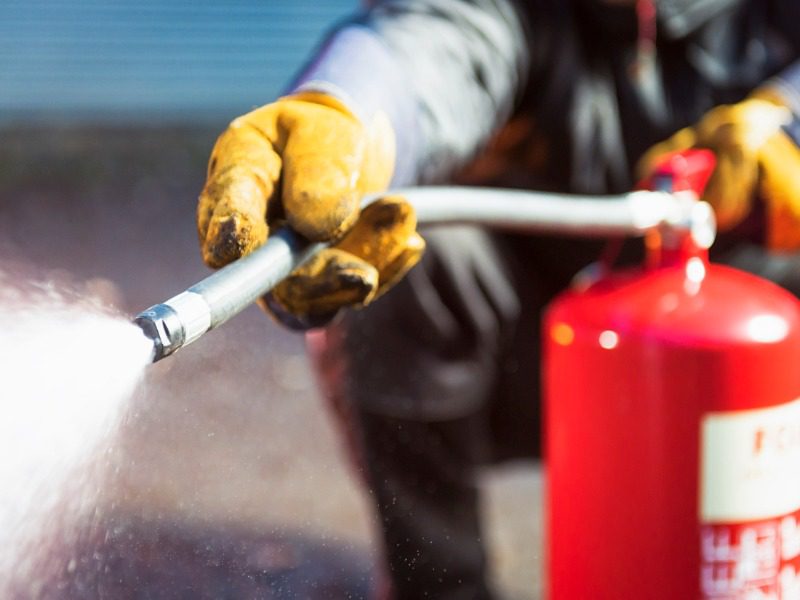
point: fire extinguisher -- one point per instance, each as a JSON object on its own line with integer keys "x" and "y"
{"x": 672, "y": 400}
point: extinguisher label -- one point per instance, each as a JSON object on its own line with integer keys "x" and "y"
{"x": 750, "y": 504}
{"x": 750, "y": 464}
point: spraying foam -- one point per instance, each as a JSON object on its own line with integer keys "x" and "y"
{"x": 67, "y": 369}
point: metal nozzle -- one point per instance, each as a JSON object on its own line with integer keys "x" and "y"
{"x": 161, "y": 324}
{"x": 175, "y": 323}
{"x": 184, "y": 318}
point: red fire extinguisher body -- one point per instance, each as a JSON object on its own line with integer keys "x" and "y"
{"x": 672, "y": 401}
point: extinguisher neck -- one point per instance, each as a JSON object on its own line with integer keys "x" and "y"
{"x": 691, "y": 228}
{"x": 663, "y": 253}
{"x": 685, "y": 236}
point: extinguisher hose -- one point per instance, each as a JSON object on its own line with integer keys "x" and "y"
{"x": 184, "y": 318}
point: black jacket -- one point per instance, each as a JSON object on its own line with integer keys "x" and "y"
{"x": 571, "y": 67}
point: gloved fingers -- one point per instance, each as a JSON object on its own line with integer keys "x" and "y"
{"x": 682, "y": 140}
{"x": 780, "y": 189}
{"x": 393, "y": 272}
{"x": 755, "y": 159}
{"x": 315, "y": 291}
{"x": 323, "y": 159}
{"x": 385, "y": 236}
{"x": 737, "y": 134}
{"x": 731, "y": 188}
{"x": 243, "y": 174}
{"x": 375, "y": 253}
{"x": 373, "y": 256}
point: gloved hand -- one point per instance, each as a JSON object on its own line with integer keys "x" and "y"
{"x": 756, "y": 159}
{"x": 306, "y": 160}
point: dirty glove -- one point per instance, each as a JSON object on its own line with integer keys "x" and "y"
{"x": 756, "y": 159}
{"x": 306, "y": 160}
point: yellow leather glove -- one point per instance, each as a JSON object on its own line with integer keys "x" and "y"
{"x": 307, "y": 161}
{"x": 756, "y": 159}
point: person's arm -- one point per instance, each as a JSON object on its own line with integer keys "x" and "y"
{"x": 446, "y": 72}
{"x": 403, "y": 93}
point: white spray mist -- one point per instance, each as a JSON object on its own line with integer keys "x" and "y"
{"x": 67, "y": 371}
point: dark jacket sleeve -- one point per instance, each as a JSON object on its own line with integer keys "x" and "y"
{"x": 446, "y": 72}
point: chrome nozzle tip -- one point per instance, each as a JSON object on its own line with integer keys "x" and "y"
{"x": 161, "y": 324}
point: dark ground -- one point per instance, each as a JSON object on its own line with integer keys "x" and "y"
{"x": 231, "y": 479}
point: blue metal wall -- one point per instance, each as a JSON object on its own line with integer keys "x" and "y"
{"x": 151, "y": 59}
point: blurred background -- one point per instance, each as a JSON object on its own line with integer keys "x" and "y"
{"x": 150, "y": 61}
{"x": 229, "y": 477}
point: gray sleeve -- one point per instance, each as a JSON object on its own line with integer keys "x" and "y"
{"x": 787, "y": 84}
{"x": 465, "y": 62}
